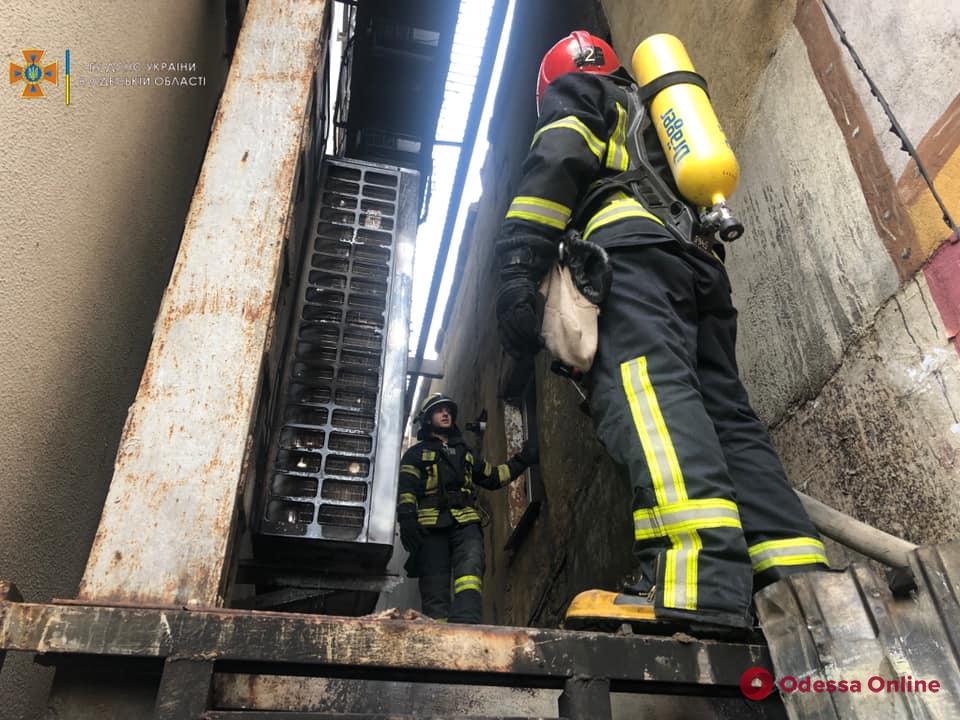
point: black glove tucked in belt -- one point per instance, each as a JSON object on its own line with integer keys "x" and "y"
{"x": 589, "y": 267}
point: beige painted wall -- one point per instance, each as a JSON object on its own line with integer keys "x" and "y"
{"x": 93, "y": 203}
{"x": 729, "y": 42}
{"x": 816, "y": 277}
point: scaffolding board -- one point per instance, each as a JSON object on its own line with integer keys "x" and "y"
{"x": 849, "y": 626}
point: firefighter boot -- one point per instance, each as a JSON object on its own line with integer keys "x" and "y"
{"x": 607, "y": 610}
{"x": 602, "y": 609}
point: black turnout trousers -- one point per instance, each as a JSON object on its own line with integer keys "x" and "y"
{"x": 714, "y": 516}
{"x": 452, "y": 553}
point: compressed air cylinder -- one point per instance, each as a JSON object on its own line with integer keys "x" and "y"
{"x": 703, "y": 165}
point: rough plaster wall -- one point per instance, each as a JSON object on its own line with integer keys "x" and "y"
{"x": 94, "y": 199}
{"x": 729, "y": 42}
{"x": 810, "y": 270}
{"x": 911, "y": 49}
{"x": 882, "y": 440}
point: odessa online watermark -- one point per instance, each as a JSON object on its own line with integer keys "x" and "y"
{"x": 756, "y": 683}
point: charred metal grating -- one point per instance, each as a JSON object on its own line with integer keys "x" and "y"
{"x": 344, "y": 490}
{"x": 351, "y": 517}
{"x": 325, "y": 444}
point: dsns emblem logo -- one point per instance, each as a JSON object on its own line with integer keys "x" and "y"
{"x": 33, "y": 73}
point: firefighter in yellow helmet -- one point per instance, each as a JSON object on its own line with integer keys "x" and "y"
{"x": 714, "y": 517}
{"x": 437, "y": 513}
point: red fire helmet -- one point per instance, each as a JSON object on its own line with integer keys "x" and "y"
{"x": 577, "y": 52}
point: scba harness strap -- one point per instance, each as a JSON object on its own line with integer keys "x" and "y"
{"x": 643, "y": 182}
{"x": 677, "y": 77}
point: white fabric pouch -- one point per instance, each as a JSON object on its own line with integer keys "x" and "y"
{"x": 569, "y": 320}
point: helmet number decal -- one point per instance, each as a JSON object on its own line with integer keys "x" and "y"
{"x": 591, "y": 55}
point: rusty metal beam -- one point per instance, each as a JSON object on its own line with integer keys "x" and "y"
{"x": 269, "y": 715}
{"x": 585, "y": 698}
{"x": 166, "y": 528}
{"x": 414, "y": 651}
{"x": 185, "y": 689}
{"x": 254, "y": 573}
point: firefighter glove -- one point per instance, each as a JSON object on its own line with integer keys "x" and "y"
{"x": 529, "y": 454}
{"x": 411, "y": 537}
{"x": 524, "y": 261}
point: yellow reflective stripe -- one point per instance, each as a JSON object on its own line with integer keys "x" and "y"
{"x": 618, "y": 210}
{"x": 794, "y": 542}
{"x": 432, "y": 478}
{"x": 680, "y": 573}
{"x": 487, "y": 469}
{"x": 617, "y": 157}
{"x": 428, "y": 455}
{"x": 503, "y": 472}
{"x": 790, "y": 551}
{"x": 468, "y": 472}
{"x": 467, "y": 582}
{"x": 654, "y": 437}
{"x": 539, "y": 210}
{"x": 686, "y": 516}
{"x": 464, "y": 515}
{"x": 407, "y": 498}
{"x": 411, "y": 470}
{"x": 692, "y": 557}
{"x": 675, "y": 517}
{"x": 570, "y": 122}
{"x": 680, "y": 522}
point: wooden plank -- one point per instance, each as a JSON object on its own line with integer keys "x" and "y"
{"x": 165, "y": 532}
{"x": 831, "y": 626}
{"x": 398, "y": 650}
{"x": 890, "y": 217}
{"x": 8, "y": 594}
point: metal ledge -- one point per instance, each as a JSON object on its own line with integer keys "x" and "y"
{"x": 372, "y": 648}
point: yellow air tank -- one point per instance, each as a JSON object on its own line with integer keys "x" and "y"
{"x": 703, "y": 165}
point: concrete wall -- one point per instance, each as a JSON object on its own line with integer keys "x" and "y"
{"x": 847, "y": 293}
{"x": 93, "y": 203}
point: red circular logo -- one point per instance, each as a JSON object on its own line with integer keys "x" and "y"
{"x": 756, "y": 683}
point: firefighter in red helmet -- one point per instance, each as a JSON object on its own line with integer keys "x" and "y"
{"x": 714, "y": 517}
